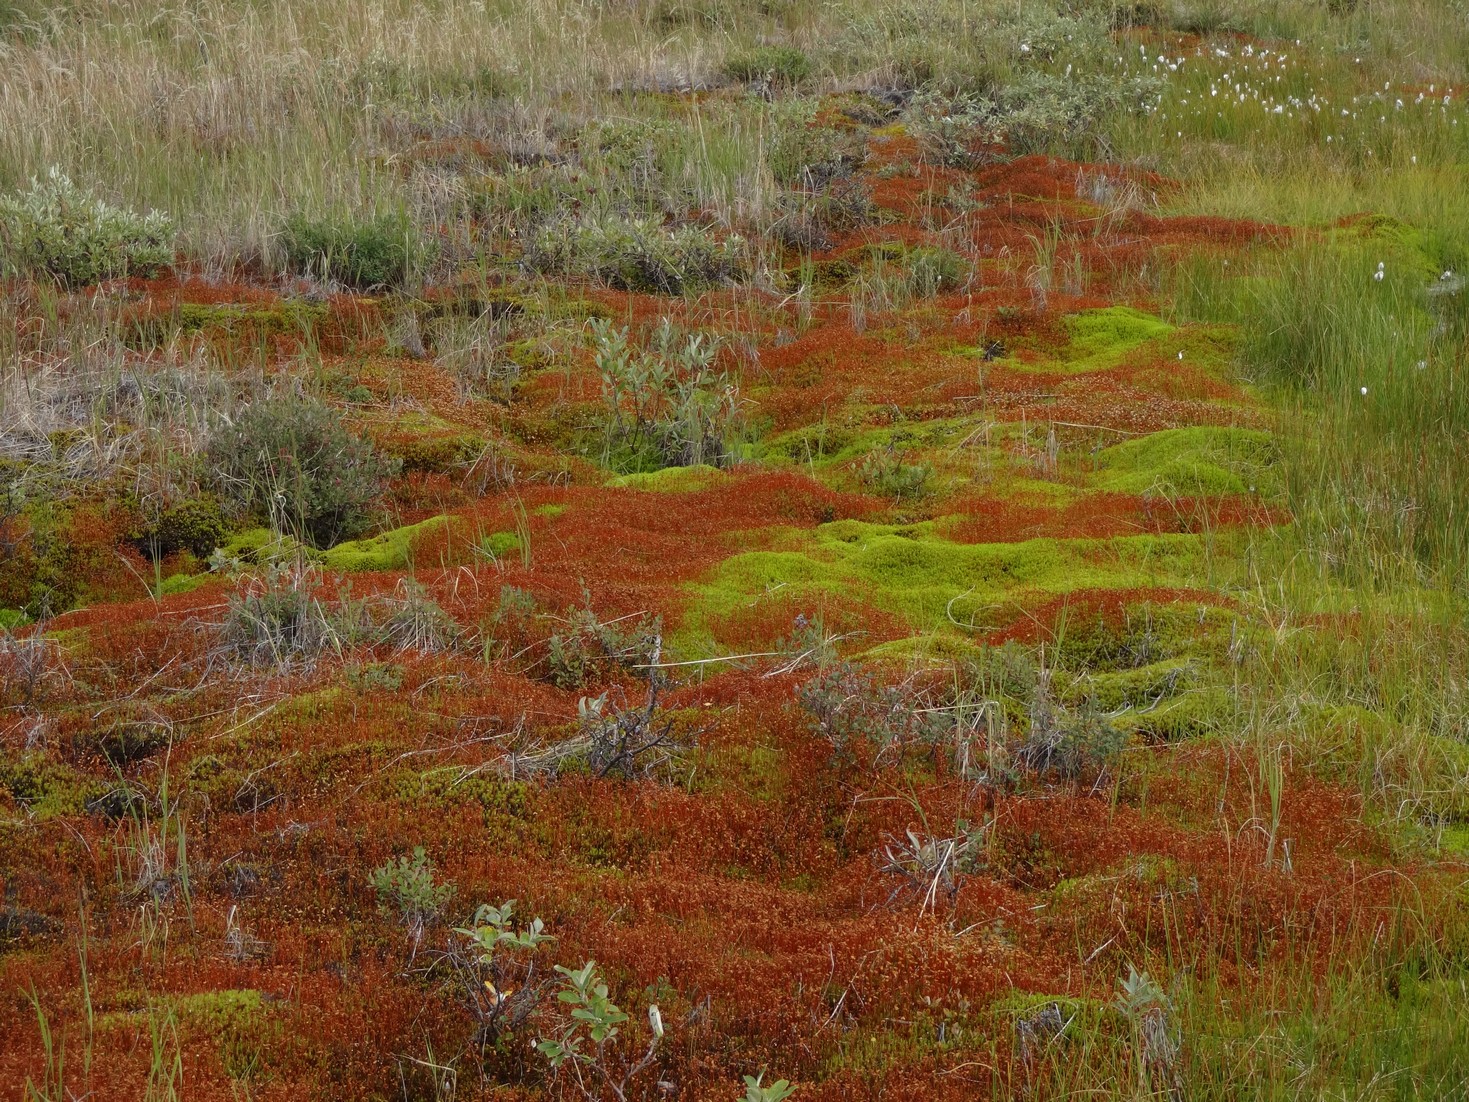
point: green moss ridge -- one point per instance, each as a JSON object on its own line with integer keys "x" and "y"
{"x": 904, "y": 653}
{"x": 473, "y": 300}
{"x": 497, "y": 545}
{"x": 175, "y": 584}
{"x": 391, "y": 550}
{"x": 908, "y": 570}
{"x": 1199, "y": 461}
{"x": 945, "y": 442}
{"x": 1141, "y": 687}
{"x": 1455, "y": 839}
{"x": 1407, "y": 245}
{"x": 1148, "y": 631}
{"x": 239, "y": 1022}
{"x": 1156, "y": 875}
{"x": 1099, "y": 339}
{"x": 672, "y": 480}
{"x": 257, "y": 545}
{"x": 1196, "y": 713}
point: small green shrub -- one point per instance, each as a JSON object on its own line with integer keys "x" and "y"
{"x": 380, "y": 78}
{"x": 380, "y": 252}
{"x": 757, "y": 1090}
{"x": 632, "y": 149}
{"x": 638, "y": 254}
{"x": 849, "y": 708}
{"x": 885, "y": 473}
{"x": 1040, "y": 111}
{"x": 574, "y": 651}
{"x": 594, "y": 1021}
{"x": 666, "y": 404}
{"x": 496, "y": 965}
{"x": 781, "y": 66}
{"x": 406, "y": 887}
{"x": 61, "y": 230}
{"x": 803, "y": 151}
{"x": 1064, "y": 743}
{"x": 291, "y": 461}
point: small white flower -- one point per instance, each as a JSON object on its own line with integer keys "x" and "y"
{"x": 1364, "y": 391}
{"x": 655, "y": 1019}
{"x": 1378, "y": 275}
{"x": 1180, "y": 354}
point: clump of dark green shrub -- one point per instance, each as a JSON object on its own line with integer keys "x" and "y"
{"x": 632, "y": 149}
{"x": 779, "y": 66}
{"x": 61, "y": 230}
{"x": 849, "y": 707}
{"x": 196, "y": 525}
{"x": 381, "y": 78}
{"x": 409, "y": 888}
{"x": 575, "y": 650}
{"x": 379, "y": 252}
{"x": 291, "y": 461}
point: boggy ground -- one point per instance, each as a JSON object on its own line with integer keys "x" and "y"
{"x": 938, "y": 718}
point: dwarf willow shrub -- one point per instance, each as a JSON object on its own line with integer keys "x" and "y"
{"x": 379, "y": 252}
{"x": 1038, "y": 111}
{"x": 884, "y": 473}
{"x": 291, "y": 461}
{"x": 781, "y": 66}
{"x": 667, "y": 405}
{"x": 638, "y": 254}
{"x": 59, "y": 229}
{"x": 408, "y": 888}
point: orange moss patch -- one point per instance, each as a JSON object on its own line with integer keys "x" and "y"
{"x": 1095, "y": 516}
{"x": 1110, "y": 607}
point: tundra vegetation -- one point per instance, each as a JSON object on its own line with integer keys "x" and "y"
{"x": 878, "y": 549}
